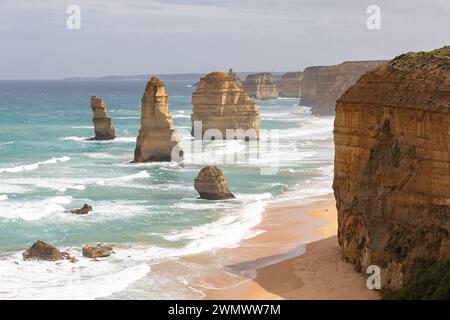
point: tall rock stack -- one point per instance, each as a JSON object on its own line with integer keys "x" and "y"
{"x": 261, "y": 86}
{"x": 392, "y": 166}
{"x": 220, "y": 103}
{"x": 103, "y": 127}
{"x": 322, "y": 86}
{"x": 157, "y": 137}
{"x": 290, "y": 85}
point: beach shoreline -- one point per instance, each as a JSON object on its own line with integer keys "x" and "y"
{"x": 296, "y": 257}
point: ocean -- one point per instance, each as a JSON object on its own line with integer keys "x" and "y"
{"x": 150, "y": 212}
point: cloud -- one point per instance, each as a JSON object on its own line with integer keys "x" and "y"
{"x": 138, "y": 36}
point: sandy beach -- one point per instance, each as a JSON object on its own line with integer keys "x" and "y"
{"x": 297, "y": 257}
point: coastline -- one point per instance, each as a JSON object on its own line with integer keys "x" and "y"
{"x": 296, "y": 257}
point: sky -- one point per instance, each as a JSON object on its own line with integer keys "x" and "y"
{"x": 118, "y": 37}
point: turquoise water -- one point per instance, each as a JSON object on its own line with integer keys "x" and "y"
{"x": 148, "y": 211}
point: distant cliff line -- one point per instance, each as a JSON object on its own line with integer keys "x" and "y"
{"x": 168, "y": 76}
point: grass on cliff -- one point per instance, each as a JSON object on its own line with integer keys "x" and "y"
{"x": 431, "y": 283}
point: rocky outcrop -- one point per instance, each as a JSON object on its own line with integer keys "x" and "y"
{"x": 103, "y": 127}
{"x": 290, "y": 85}
{"x": 232, "y": 74}
{"x": 212, "y": 184}
{"x": 260, "y": 86}
{"x": 85, "y": 209}
{"x": 220, "y": 104}
{"x": 157, "y": 140}
{"x": 42, "y": 251}
{"x": 97, "y": 251}
{"x": 322, "y": 86}
{"x": 392, "y": 166}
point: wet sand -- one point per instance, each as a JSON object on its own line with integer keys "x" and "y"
{"x": 297, "y": 257}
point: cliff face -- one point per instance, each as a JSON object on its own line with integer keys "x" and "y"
{"x": 220, "y": 103}
{"x": 392, "y": 166}
{"x": 261, "y": 86}
{"x": 103, "y": 127}
{"x": 290, "y": 85}
{"x": 157, "y": 137}
{"x": 322, "y": 86}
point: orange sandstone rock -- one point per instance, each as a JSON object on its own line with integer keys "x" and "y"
{"x": 392, "y": 166}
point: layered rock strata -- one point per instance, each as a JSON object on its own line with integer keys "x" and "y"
{"x": 212, "y": 184}
{"x": 322, "y": 86}
{"x": 290, "y": 85}
{"x": 103, "y": 127}
{"x": 392, "y": 166}
{"x": 157, "y": 140}
{"x": 220, "y": 104}
{"x": 260, "y": 86}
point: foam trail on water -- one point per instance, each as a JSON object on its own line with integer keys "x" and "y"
{"x": 33, "y": 166}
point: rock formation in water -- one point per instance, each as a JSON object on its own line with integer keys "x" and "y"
{"x": 322, "y": 86}
{"x": 97, "y": 251}
{"x": 261, "y": 86}
{"x": 220, "y": 103}
{"x": 157, "y": 140}
{"x": 392, "y": 166}
{"x": 212, "y": 184}
{"x": 42, "y": 251}
{"x": 290, "y": 85}
{"x": 103, "y": 127}
{"x": 85, "y": 209}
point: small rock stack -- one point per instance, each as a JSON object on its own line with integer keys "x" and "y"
{"x": 212, "y": 184}
{"x": 103, "y": 127}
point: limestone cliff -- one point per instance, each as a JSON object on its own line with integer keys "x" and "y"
{"x": 103, "y": 127}
{"x": 220, "y": 104}
{"x": 157, "y": 137}
{"x": 392, "y": 166}
{"x": 260, "y": 86}
{"x": 322, "y": 86}
{"x": 290, "y": 85}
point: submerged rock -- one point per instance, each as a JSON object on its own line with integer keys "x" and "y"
{"x": 97, "y": 251}
{"x": 392, "y": 166}
{"x": 43, "y": 251}
{"x": 157, "y": 140}
{"x": 212, "y": 184}
{"x": 220, "y": 104}
{"x": 103, "y": 127}
{"x": 85, "y": 209}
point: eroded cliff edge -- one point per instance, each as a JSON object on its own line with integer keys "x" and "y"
{"x": 322, "y": 86}
{"x": 392, "y": 166}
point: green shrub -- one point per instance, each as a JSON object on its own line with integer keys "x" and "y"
{"x": 431, "y": 283}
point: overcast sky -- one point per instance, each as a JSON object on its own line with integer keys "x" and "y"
{"x": 180, "y": 36}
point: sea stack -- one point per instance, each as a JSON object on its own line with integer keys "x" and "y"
{"x": 392, "y": 166}
{"x": 157, "y": 140}
{"x": 261, "y": 86}
{"x": 290, "y": 85}
{"x": 103, "y": 127}
{"x": 220, "y": 104}
{"x": 212, "y": 184}
{"x": 322, "y": 86}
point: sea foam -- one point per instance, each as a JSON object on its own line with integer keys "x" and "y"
{"x": 33, "y": 166}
